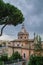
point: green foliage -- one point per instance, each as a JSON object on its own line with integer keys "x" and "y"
{"x": 16, "y": 56}
{"x": 4, "y": 58}
{"x": 9, "y": 15}
{"x": 37, "y": 45}
{"x": 36, "y": 60}
{"x": 1, "y": 63}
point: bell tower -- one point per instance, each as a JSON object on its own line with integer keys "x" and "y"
{"x": 23, "y": 34}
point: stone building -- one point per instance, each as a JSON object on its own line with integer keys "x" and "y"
{"x": 22, "y": 44}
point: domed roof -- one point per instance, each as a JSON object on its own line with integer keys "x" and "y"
{"x": 23, "y": 30}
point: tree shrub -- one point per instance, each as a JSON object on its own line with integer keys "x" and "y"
{"x": 35, "y": 60}
{"x": 16, "y": 56}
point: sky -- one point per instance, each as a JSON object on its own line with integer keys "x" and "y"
{"x": 33, "y": 14}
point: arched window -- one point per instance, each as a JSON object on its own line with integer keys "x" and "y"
{"x": 25, "y": 37}
{"x": 21, "y": 37}
{"x": 24, "y": 55}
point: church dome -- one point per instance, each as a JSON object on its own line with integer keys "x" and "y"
{"x": 23, "y": 31}
{"x": 23, "y": 34}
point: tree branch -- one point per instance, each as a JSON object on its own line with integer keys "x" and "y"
{"x": 2, "y": 30}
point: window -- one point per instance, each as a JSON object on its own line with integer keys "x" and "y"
{"x": 17, "y": 44}
{"x": 24, "y": 55}
{"x": 25, "y": 37}
{"x": 21, "y": 37}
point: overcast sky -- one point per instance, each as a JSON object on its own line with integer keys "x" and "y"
{"x": 33, "y": 13}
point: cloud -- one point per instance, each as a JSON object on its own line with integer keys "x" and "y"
{"x": 33, "y": 13}
{"x": 7, "y": 37}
